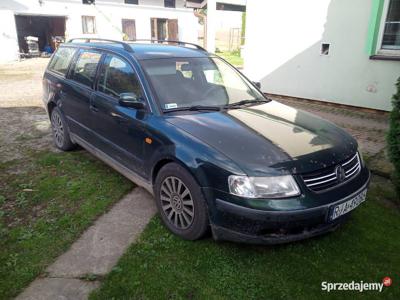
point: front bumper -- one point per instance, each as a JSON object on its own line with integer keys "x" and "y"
{"x": 265, "y": 225}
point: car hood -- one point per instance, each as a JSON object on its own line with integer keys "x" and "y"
{"x": 271, "y": 138}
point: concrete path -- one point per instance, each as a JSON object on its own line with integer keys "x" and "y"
{"x": 96, "y": 251}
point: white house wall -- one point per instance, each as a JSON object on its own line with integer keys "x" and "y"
{"x": 8, "y": 36}
{"x": 108, "y": 19}
{"x": 283, "y": 42}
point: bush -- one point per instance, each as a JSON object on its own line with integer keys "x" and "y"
{"x": 394, "y": 136}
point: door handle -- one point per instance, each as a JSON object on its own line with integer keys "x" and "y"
{"x": 120, "y": 119}
{"x": 93, "y": 108}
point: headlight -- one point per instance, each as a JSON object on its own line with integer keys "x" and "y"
{"x": 263, "y": 187}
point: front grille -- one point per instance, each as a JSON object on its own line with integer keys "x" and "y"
{"x": 330, "y": 177}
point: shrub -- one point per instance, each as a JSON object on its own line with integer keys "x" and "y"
{"x": 394, "y": 136}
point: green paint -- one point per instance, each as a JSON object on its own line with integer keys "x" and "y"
{"x": 373, "y": 30}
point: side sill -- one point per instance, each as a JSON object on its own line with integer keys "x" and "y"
{"x": 132, "y": 176}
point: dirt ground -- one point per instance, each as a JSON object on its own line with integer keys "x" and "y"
{"x": 24, "y": 125}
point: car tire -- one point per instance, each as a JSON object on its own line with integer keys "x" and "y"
{"x": 61, "y": 136}
{"x": 180, "y": 202}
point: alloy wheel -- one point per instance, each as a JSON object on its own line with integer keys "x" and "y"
{"x": 58, "y": 129}
{"x": 177, "y": 202}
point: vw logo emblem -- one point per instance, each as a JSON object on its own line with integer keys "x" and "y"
{"x": 340, "y": 173}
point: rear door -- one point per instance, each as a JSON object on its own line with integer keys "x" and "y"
{"x": 120, "y": 130}
{"x": 77, "y": 91}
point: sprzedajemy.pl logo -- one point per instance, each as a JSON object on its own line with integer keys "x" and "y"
{"x": 360, "y": 286}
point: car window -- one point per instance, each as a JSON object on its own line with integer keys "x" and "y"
{"x": 185, "y": 82}
{"x": 118, "y": 77}
{"x": 61, "y": 60}
{"x": 85, "y": 67}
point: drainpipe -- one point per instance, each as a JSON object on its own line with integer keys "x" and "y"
{"x": 211, "y": 24}
{"x": 200, "y": 13}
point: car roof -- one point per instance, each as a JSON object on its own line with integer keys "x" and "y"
{"x": 144, "y": 51}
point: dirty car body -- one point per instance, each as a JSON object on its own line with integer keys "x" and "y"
{"x": 266, "y": 172}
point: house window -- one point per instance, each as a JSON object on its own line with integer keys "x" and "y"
{"x": 164, "y": 29}
{"x": 391, "y": 33}
{"x": 132, "y": 2}
{"x": 169, "y": 3}
{"x": 129, "y": 30}
{"x": 88, "y": 24}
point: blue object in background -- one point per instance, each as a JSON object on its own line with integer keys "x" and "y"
{"x": 48, "y": 49}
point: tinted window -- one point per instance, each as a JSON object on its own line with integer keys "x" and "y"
{"x": 118, "y": 77}
{"x": 85, "y": 67}
{"x": 61, "y": 60}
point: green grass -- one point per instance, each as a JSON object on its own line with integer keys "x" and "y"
{"x": 46, "y": 202}
{"x": 232, "y": 57}
{"x": 162, "y": 266}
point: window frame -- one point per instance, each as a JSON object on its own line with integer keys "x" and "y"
{"x": 382, "y": 24}
{"x": 111, "y": 98}
{"x": 71, "y": 62}
{"x": 75, "y": 61}
{"x": 83, "y": 18}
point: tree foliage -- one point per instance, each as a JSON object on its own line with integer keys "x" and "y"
{"x": 394, "y": 136}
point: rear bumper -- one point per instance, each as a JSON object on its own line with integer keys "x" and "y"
{"x": 233, "y": 222}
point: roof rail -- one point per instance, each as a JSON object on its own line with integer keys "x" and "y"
{"x": 170, "y": 41}
{"x": 88, "y": 40}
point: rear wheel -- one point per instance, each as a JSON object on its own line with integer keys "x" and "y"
{"x": 180, "y": 202}
{"x": 61, "y": 136}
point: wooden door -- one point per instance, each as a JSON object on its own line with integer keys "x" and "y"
{"x": 129, "y": 29}
{"x": 173, "y": 33}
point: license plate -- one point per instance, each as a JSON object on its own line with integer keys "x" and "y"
{"x": 349, "y": 205}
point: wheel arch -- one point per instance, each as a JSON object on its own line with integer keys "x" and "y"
{"x": 169, "y": 159}
{"x": 50, "y": 106}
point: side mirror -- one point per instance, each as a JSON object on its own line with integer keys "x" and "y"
{"x": 257, "y": 84}
{"x": 131, "y": 100}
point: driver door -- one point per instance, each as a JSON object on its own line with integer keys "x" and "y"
{"x": 120, "y": 131}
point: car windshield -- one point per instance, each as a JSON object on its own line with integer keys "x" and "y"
{"x": 205, "y": 82}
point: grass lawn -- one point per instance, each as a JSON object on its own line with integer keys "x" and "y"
{"x": 232, "y": 57}
{"x": 162, "y": 266}
{"x": 46, "y": 201}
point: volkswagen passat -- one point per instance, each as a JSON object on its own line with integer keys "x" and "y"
{"x": 211, "y": 148}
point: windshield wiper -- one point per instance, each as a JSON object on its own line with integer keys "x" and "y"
{"x": 245, "y": 102}
{"x": 193, "y": 108}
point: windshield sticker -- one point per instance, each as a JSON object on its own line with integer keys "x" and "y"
{"x": 170, "y": 105}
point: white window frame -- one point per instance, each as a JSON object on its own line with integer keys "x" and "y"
{"x": 380, "y": 51}
{"x": 83, "y": 18}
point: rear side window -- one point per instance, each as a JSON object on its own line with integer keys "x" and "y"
{"x": 85, "y": 67}
{"x": 61, "y": 60}
{"x": 118, "y": 77}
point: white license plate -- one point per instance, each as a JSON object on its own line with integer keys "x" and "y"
{"x": 345, "y": 207}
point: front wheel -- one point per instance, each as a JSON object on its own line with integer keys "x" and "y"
{"x": 180, "y": 202}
